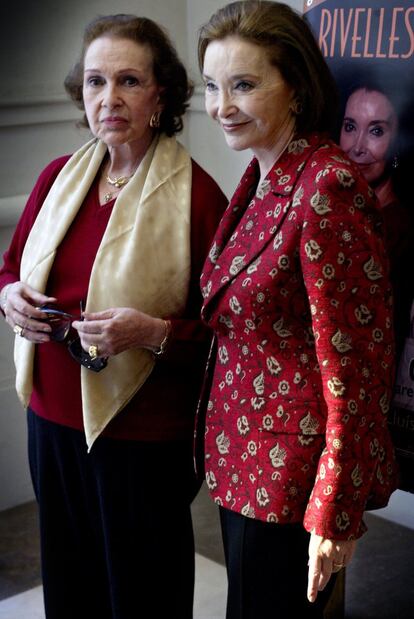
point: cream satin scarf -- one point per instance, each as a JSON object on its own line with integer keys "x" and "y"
{"x": 143, "y": 261}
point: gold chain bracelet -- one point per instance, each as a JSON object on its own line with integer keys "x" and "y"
{"x": 162, "y": 347}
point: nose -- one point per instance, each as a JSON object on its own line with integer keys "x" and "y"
{"x": 225, "y": 105}
{"x": 359, "y": 147}
{"x": 111, "y": 98}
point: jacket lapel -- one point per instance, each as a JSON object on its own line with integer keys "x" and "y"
{"x": 239, "y": 202}
{"x": 253, "y": 220}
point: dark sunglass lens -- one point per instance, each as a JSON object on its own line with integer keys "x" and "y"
{"x": 60, "y": 333}
{"x": 60, "y": 329}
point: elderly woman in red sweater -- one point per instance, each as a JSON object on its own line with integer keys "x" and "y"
{"x": 121, "y": 227}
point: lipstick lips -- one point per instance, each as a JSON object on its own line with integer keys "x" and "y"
{"x": 114, "y": 120}
{"x": 230, "y": 127}
{"x": 363, "y": 164}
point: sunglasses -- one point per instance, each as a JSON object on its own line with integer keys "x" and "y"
{"x": 60, "y": 323}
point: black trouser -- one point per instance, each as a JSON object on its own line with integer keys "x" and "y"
{"x": 116, "y": 530}
{"x": 267, "y": 568}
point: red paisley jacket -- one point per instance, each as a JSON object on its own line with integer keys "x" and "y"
{"x": 296, "y": 288}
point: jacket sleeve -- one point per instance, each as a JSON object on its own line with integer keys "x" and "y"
{"x": 345, "y": 271}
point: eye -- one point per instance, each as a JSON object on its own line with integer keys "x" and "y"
{"x": 377, "y": 131}
{"x": 348, "y": 126}
{"x": 244, "y": 86}
{"x": 94, "y": 81}
{"x": 130, "y": 80}
{"x": 210, "y": 86}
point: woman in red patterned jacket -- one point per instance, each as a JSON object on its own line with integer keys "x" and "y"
{"x": 296, "y": 288}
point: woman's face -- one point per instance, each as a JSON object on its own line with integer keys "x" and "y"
{"x": 368, "y": 130}
{"x": 120, "y": 92}
{"x": 246, "y": 94}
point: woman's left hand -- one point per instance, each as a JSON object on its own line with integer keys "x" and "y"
{"x": 326, "y": 556}
{"x": 117, "y": 329}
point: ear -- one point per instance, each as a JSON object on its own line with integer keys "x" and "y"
{"x": 296, "y": 106}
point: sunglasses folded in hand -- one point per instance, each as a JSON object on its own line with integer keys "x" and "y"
{"x": 60, "y": 323}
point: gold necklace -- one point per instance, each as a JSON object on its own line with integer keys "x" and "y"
{"x": 118, "y": 181}
{"x": 108, "y": 197}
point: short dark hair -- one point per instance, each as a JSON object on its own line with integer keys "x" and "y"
{"x": 169, "y": 71}
{"x": 291, "y": 47}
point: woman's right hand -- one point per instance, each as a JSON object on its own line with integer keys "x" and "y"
{"x": 326, "y": 556}
{"x": 21, "y": 310}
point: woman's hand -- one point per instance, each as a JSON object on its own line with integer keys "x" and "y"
{"x": 119, "y": 328}
{"x": 325, "y": 557}
{"x": 21, "y": 310}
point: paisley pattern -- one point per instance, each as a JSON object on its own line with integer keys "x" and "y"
{"x": 296, "y": 288}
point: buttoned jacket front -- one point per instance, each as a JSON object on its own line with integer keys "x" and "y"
{"x": 296, "y": 288}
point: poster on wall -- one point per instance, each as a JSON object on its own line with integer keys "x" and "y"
{"x": 369, "y": 47}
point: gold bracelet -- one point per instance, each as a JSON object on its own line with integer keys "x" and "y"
{"x": 161, "y": 348}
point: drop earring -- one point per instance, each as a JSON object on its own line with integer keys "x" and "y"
{"x": 395, "y": 162}
{"x": 296, "y": 107}
{"x": 155, "y": 120}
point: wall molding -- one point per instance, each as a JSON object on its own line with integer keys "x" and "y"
{"x": 59, "y": 109}
{"x": 37, "y": 111}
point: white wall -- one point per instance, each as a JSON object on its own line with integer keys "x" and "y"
{"x": 39, "y": 44}
{"x": 15, "y": 486}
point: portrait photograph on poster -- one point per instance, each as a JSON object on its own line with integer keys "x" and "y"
{"x": 369, "y": 47}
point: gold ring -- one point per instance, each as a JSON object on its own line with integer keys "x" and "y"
{"x": 18, "y": 330}
{"x": 93, "y": 352}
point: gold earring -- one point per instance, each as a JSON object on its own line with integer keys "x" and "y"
{"x": 155, "y": 120}
{"x": 296, "y": 107}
